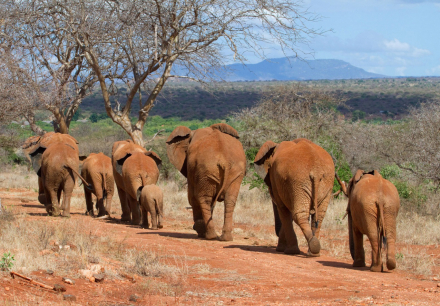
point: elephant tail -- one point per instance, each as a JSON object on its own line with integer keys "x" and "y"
{"x": 86, "y": 184}
{"x": 225, "y": 176}
{"x": 314, "y": 212}
{"x": 104, "y": 183}
{"x": 380, "y": 230}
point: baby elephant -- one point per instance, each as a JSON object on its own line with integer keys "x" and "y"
{"x": 97, "y": 171}
{"x": 151, "y": 200}
{"x": 373, "y": 204}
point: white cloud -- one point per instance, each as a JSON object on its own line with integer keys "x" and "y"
{"x": 395, "y": 45}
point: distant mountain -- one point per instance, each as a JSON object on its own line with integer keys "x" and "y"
{"x": 284, "y": 69}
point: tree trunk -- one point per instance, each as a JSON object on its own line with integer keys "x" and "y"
{"x": 30, "y": 117}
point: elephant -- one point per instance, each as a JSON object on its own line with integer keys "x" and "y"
{"x": 55, "y": 159}
{"x": 151, "y": 201}
{"x": 373, "y": 205}
{"x": 213, "y": 161}
{"x": 300, "y": 176}
{"x": 133, "y": 168}
{"x": 97, "y": 171}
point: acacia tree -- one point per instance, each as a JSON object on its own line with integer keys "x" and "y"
{"x": 54, "y": 69}
{"x": 145, "y": 40}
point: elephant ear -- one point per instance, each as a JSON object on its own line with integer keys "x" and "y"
{"x": 358, "y": 175}
{"x": 261, "y": 161}
{"x": 226, "y": 129}
{"x": 155, "y": 157}
{"x": 120, "y": 163}
{"x": 36, "y": 158}
{"x": 177, "y": 146}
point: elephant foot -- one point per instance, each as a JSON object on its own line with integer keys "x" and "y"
{"x": 153, "y": 228}
{"x": 314, "y": 246}
{"x": 359, "y": 263}
{"x": 90, "y": 213}
{"x": 211, "y": 234}
{"x": 53, "y": 211}
{"x": 125, "y": 217}
{"x": 200, "y": 228}
{"x": 226, "y": 237}
{"x": 66, "y": 214}
{"x": 42, "y": 199}
{"x": 391, "y": 264}
{"x": 312, "y": 254}
{"x": 104, "y": 217}
{"x": 160, "y": 226}
{"x": 136, "y": 221}
{"x": 378, "y": 268}
{"x": 280, "y": 247}
{"x": 293, "y": 250}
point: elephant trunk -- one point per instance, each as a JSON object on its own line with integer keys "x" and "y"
{"x": 277, "y": 219}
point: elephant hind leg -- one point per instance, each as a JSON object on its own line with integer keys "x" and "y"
{"x": 287, "y": 232}
{"x": 205, "y": 205}
{"x": 359, "y": 253}
{"x": 230, "y": 200}
{"x": 303, "y": 221}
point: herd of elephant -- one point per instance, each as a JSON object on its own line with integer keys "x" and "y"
{"x": 299, "y": 175}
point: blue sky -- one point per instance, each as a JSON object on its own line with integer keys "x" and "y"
{"x": 390, "y": 37}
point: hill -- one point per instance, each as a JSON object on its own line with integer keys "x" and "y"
{"x": 285, "y": 68}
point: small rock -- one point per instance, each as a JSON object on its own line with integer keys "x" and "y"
{"x": 24, "y": 201}
{"x": 438, "y": 285}
{"x": 94, "y": 260}
{"x": 133, "y": 298}
{"x": 96, "y": 268}
{"x": 59, "y": 288}
{"x": 99, "y": 277}
{"x": 256, "y": 243}
{"x": 86, "y": 273}
{"x": 68, "y": 281}
{"x": 7, "y": 288}
{"x": 69, "y": 297}
{"x": 356, "y": 291}
{"x": 46, "y": 252}
{"x": 91, "y": 279}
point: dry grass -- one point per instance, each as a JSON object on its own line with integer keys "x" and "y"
{"x": 415, "y": 261}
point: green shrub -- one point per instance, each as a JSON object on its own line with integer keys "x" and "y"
{"x": 251, "y": 153}
{"x": 7, "y": 262}
{"x": 390, "y": 171}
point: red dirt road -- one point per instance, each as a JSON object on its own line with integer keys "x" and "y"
{"x": 222, "y": 273}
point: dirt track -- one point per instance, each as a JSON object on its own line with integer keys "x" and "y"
{"x": 237, "y": 272}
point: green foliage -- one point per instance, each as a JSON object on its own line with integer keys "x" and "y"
{"x": 77, "y": 115}
{"x": 7, "y": 262}
{"x": 251, "y": 153}
{"x": 255, "y": 181}
{"x": 358, "y": 115}
{"x": 403, "y": 189}
{"x": 390, "y": 171}
{"x": 94, "y": 117}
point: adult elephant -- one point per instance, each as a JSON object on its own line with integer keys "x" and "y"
{"x": 213, "y": 161}
{"x": 300, "y": 177}
{"x": 373, "y": 205}
{"x": 133, "y": 168}
{"x": 55, "y": 159}
{"x": 97, "y": 171}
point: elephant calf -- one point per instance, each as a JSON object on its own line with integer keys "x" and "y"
{"x": 373, "y": 205}
{"x": 98, "y": 172}
{"x": 151, "y": 201}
